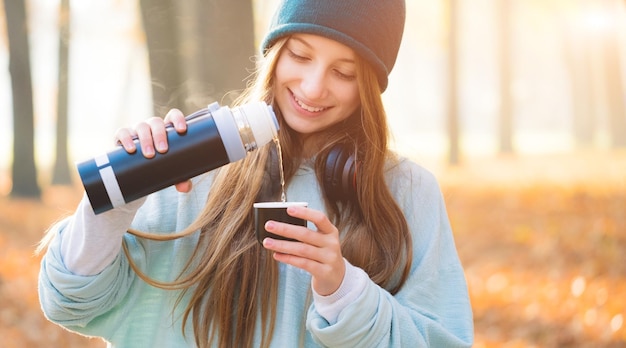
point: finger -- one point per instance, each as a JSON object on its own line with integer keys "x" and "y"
{"x": 159, "y": 134}
{"x": 177, "y": 119}
{"x": 144, "y": 133}
{"x": 304, "y": 263}
{"x": 184, "y": 186}
{"x": 125, "y": 137}
{"x": 318, "y": 218}
{"x": 297, "y": 250}
{"x": 308, "y": 244}
{"x": 289, "y": 231}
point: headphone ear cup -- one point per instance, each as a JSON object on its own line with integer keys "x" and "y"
{"x": 330, "y": 184}
{"x": 340, "y": 174}
{"x": 348, "y": 177}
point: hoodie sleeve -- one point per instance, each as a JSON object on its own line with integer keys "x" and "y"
{"x": 86, "y": 283}
{"x": 74, "y": 300}
{"x": 432, "y": 309}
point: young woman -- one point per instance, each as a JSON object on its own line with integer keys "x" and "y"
{"x": 375, "y": 267}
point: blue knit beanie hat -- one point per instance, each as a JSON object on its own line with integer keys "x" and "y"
{"x": 372, "y": 28}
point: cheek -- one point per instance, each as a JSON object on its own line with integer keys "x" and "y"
{"x": 284, "y": 71}
{"x": 351, "y": 99}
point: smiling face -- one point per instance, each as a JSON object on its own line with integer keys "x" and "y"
{"x": 315, "y": 83}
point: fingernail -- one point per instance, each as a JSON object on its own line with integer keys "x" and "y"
{"x": 130, "y": 146}
{"x": 148, "y": 151}
{"x": 161, "y": 146}
{"x": 270, "y": 225}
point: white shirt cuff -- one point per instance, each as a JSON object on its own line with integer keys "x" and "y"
{"x": 91, "y": 242}
{"x": 353, "y": 284}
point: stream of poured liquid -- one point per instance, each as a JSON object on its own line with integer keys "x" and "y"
{"x": 283, "y": 195}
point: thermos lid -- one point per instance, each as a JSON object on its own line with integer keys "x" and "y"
{"x": 262, "y": 120}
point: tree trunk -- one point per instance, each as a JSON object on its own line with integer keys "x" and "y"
{"x": 24, "y": 171}
{"x": 160, "y": 24}
{"x": 453, "y": 104}
{"x": 616, "y": 93}
{"x": 223, "y": 60}
{"x": 579, "y": 63}
{"x": 580, "y": 51}
{"x": 199, "y": 50}
{"x": 506, "y": 104}
{"x": 61, "y": 171}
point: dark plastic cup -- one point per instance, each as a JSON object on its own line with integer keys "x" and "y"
{"x": 276, "y": 211}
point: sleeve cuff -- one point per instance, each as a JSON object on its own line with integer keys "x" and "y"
{"x": 352, "y": 286}
{"x": 90, "y": 242}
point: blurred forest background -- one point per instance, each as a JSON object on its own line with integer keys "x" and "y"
{"x": 518, "y": 106}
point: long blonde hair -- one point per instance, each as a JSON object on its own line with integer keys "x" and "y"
{"x": 227, "y": 256}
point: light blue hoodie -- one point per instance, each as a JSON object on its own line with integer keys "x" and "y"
{"x": 431, "y": 310}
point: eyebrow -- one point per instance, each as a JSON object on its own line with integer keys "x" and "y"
{"x": 307, "y": 44}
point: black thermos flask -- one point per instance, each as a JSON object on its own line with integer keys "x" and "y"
{"x": 215, "y": 136}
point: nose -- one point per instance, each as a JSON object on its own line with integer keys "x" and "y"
{"x": 313, "y": 83}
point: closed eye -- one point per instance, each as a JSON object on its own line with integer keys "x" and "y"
{"x": 295, "y": 56}
{"x": 344, "y": 76}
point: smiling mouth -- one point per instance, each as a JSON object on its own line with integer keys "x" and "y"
{"x": 306, "y": 106}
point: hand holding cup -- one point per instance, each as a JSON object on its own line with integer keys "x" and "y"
{"x": 275, "y": 211}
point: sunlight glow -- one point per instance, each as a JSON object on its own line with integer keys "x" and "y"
{"x": 617, "y": 322}
{"x": 598, "y": 20}
{"x": 578, "y": 286}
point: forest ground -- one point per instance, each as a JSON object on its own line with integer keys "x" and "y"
{"x": 542, "y": 240}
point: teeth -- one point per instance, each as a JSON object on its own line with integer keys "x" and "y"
{"x": 307, "y": 107}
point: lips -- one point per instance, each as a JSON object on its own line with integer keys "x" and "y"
{"x": 308, "y": 107}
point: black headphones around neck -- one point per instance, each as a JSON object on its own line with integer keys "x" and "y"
{"x": 340, "y": 174}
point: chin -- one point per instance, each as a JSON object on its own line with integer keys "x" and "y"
{"x": 303, "y": 131}
{"x": 299, "y": 126}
